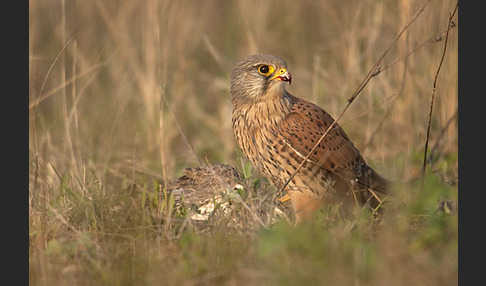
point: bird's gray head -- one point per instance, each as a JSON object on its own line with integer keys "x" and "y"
{"x": 256, "y": 76}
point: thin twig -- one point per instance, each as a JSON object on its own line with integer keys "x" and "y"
{"x": 431, "y": 40}
{"x": 374, "y": 71}
{"x": 62, "y": 219}
{"x": 56, "y": 58}
{"x": 450, "y": 24}
{"x": 53, "y": 91}
{"x": 255, "y": 216}
{"x": 388, "y": 112}
{"x": 439, "y": 138}
{"x": 218, "y": 58}
{"x": 184, "y": 137}
{"x": 378, "y": 127}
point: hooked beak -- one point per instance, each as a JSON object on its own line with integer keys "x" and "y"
{"x": 283, "y": 75}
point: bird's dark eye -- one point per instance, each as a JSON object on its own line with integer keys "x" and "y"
{"x": 266, "y": 70}
{"x": 263, "y": 69}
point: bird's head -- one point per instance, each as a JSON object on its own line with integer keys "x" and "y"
{"x": 258, "y": 76}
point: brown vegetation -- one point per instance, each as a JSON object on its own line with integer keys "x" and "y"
{"x": 126, "y": 94}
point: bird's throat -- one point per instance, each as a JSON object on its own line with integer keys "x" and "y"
{"x": 268, "y": 111}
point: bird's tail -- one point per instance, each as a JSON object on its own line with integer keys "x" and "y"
{"x": 373, "y": 188}
{"x": 378, "y": 183}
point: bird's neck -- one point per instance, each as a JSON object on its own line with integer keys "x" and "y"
{"x": 265, "y": 112}
{"x": 254, "y": 121}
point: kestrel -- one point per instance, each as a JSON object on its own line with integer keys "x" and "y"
{"x": 276, "y": 131}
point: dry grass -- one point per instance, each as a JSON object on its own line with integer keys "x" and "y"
{"x": 125, "y": 94}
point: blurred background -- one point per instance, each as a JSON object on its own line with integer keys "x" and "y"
{"x": 146, "y": 83}
{"x": 123, "y": 89}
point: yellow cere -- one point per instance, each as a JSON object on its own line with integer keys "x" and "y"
{"x": 278, "y": 73}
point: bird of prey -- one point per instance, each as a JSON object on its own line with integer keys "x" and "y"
{"x": 276, "y": 131}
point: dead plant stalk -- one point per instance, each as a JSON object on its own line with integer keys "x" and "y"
{"x": 450, "y": 24}
{"x": 374, "y": 71}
